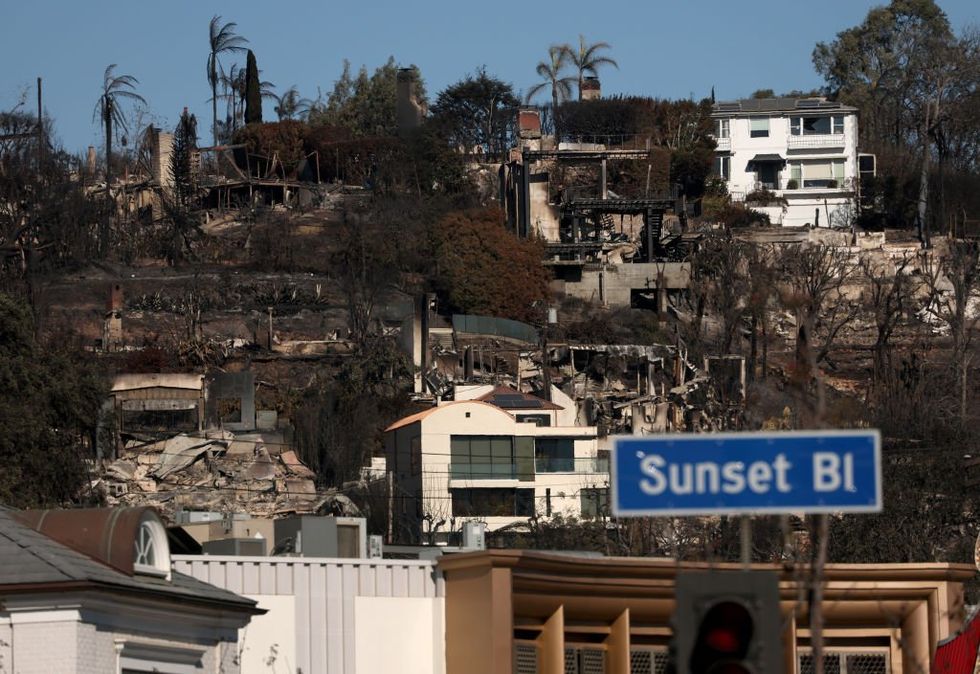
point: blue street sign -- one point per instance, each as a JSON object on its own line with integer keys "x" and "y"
{"x": 778, "y": 472}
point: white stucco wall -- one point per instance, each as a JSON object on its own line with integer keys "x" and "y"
{"x": 414, "y": 635}
{"x": 268, "y": 644}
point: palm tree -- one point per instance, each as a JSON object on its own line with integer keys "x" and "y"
{"x": 291, "y": 106}
{"x": 587, "y": 60}
{"x": 222, "y": 40}
{"x": 233, "y": 84}
{"x": 551, "y": 72}
{"x": 115, "y": 90}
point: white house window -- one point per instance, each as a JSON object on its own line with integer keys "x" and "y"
{"x": 724, "y": 128}
{"x": 822, "y": 173}
{"x": 821, "y": 126}
{"x": 759, "y": 127}
{"x": 723, "y": 167}
{"x": 151, "y": 552}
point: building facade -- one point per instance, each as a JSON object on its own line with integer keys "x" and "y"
{"x": 802, "y": 150}
{"x": 502, "y": 459}
{"x": 530, "y": 612}
{"x": 334, "y": 616}
{"x": 92, "y": 591}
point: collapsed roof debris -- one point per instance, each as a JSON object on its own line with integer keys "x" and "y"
{"x": 216, "y": 471}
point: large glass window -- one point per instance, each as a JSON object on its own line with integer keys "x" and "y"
{"x": 723, "y": 129}
{"x": 821, "y": 173}
{"x": 759, "y": 127}
{"x": 554, "y": 455}
{"x": 809, "y": 126}
{"x": 493, "y": 502}
{"x": 482, "y": 456}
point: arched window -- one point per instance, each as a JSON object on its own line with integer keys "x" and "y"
{"x": 151, "y": 553}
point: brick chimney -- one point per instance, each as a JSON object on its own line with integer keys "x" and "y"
{"x": 529, "y": 124}
{"x": 591, "y": 89}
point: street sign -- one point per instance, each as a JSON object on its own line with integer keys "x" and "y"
{"x": 744, "y": 473}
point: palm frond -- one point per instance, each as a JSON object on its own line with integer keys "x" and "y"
{"x": 535, "y": 90}
{"x": 223, "y": 38}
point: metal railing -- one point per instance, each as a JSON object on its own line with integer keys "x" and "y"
{"x": 815, "y": 141}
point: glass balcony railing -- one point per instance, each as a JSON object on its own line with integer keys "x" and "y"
{"x": 515, "y": 471}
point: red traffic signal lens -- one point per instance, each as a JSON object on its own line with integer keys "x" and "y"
{"x": 722, "y": 640}
{"x": 725, "y": 630}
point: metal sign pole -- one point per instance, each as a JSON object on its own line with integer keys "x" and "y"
{"x": 745, "y": 537}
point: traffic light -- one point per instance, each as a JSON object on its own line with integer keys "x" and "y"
{"x": 727, "y": 622}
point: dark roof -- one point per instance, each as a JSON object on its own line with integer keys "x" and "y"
{"x": 785, "y": 104}
{"x": 507, "y": 398}
{"x": 766, "y": 157}
{"x": 29, "y": 558}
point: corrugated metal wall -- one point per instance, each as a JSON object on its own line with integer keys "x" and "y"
{"x": 324, "y": 591}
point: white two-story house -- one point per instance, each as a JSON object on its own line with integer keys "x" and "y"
{"x": 803, "y": 149}
{"x": 493, "y": 455}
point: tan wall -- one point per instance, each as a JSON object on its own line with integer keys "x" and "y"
{"x": 616, "y": 604}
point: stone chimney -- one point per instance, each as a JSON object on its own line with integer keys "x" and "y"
{"x": 90, "y": 162}
{"x": 112, "y": 334}
{"x": 591, "y": 90}
{"x": 161, "y": 146}
{"x": 408, "y": 111}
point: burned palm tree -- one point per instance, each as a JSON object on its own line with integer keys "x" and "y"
{"x": 559, "y": 57}
{"x": 115, "y": 90}
{"x": 223, "y": 40}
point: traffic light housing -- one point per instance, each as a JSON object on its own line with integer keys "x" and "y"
{"x": 727, "y": 622}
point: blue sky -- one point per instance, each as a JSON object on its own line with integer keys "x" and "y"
{"x": 671, "y": 49}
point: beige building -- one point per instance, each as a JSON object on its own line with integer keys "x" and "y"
{"x": 524, "y": 612}
{"x": 501, "y": 457}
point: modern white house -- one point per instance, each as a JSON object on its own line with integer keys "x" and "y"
{"x": 494, "y": 455}
{"x": 805, "y": 150}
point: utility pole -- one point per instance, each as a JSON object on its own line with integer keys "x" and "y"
{"x": 40, "y": 131}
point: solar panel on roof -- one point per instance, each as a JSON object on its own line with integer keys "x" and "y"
{"x": 728, "y": 107}
{"x": 808, "y": 103}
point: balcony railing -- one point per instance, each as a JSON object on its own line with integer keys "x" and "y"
{"x": 724, "y": 144}
{"x": 815, "y": 141}
{"x": 514, "y": 471}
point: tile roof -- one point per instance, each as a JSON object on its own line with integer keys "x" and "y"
{"x": 419, "y": 416}
{"x": 28, "y": 557}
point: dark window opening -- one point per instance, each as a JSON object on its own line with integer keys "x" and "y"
{"x": 159, "y": 420}
{"x": 536, "y": 419}
{"x": 230, "y": 410}
{"x": 493, "y": 502}
{"x": 595, "y": 501}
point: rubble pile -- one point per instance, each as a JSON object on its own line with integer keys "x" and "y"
{"x": 214, "y": 471}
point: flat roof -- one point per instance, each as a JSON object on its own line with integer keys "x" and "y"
{"x": 760, "y": 106}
